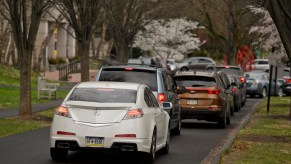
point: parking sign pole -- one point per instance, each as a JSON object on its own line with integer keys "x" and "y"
{"x": 269, "y": 90}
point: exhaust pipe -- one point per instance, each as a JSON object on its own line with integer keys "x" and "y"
{"x": 64, "y": 145}
{"x": 127, "y": 148}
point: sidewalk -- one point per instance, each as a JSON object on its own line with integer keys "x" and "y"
{"x": 38, "y": 107}
{"x": 35, "y": 108}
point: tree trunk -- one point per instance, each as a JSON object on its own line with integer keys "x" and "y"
{"x": 84, "y": 47}
{"x": 109, "y": 47}
{"x": 283, "y": 24}
{"x": 7, "y": 55}
{"x": 102, "y": 40}
{"x": 25, "y": 84}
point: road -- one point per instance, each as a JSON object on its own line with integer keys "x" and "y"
{"x": 197, "y": 140}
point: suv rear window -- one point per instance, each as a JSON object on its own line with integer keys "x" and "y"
{"x": 104, "y": 95}
{"x": 195, "y": 81}
{"x": 134, "y": 76}
{"x": 230, "y": 71}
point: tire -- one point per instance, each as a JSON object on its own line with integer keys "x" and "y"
{"x": 184, "y": 69}
{"x": 165, "y": 150}
{"x": 280, "y": 92}
{"x": 58, "y": 154}
{"x": 210, "y": 69}
{"x": 228, "y": 119}
{"x": 238, "y": 106}
{"x": 151, "y": 156}
{"x": 222, "y": 121}
{"x": 177, "y": 129}
{"x": 232, "y": 110}
{"x": 264, "y": 93}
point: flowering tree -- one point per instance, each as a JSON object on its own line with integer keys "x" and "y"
{"x": 168, "y": 38}
{"x": 267, "y": 31}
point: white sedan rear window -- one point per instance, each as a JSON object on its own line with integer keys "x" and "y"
{"x": 104, "y": 95}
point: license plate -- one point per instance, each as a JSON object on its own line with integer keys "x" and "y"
{"x": 192, "y": 102}
{"x": 95, "y": 141}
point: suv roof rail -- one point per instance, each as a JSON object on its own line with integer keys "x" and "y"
{"x": 137, "y": 64}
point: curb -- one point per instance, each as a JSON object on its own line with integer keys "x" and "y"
{"x": 214, "y": 156}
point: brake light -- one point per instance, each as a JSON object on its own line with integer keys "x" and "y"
{"x": 128, "y": 69}
{"x": 134, "y": 113}
{"x": 214, "y": 92}
{"x": 214, "y": 108}
{"x": 161, "y": 97}
{"x": 242, "y": 79}
{"x": 62, "y": 111}
{"x": 227, "y": 66}
{"x": 65, "y": 133}
{"x": 126, "y": 135}
{"x": 234, "y": 90}
{"x": 289, "y": 81}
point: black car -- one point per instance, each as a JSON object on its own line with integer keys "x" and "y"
{"x": 228, "y": 88}
{"x": 159, "y": 80}
{"x": 237, "y": 71}
{"x": 236, "y": 89}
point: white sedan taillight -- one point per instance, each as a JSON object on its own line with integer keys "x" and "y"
{"x": 134, "y": 113}
{"x": 62, "y": 111}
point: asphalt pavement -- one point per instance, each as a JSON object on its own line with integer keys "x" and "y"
{"x": 199, "y": 142}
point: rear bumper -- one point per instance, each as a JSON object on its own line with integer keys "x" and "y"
{"x": 141, "y": 143}
{"x": 286, "y": 88}
{"x": 201, "y": 113}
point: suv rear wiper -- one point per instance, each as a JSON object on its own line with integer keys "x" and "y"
{"x": 198, "y": 85}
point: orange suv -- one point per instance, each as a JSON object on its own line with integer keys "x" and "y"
{"x": 205, "y": 97}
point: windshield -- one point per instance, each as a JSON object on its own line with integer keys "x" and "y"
{"x": 230, "y": 71}
{"x": 134, "y": 76}
{"x": 195, "y": 81}
{"x": 104, "y": 95}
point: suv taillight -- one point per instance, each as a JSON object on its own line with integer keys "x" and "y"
{"x": 214, "y": 92}
{"x": 161, "y": 97}
{"x": 242, "y": 79}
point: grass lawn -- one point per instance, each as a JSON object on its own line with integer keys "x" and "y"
{"x": 266, "y": 139}
{"x": 14, "y": 125}
{"x": 10, "y": 91}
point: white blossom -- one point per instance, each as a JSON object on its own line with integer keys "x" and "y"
{"x": 169, "y": 39}
{"x": 268, "y": 34}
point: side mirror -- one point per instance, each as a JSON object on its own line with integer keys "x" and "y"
{"x": 180, "y": 89}
{"x": 167, "y": 106}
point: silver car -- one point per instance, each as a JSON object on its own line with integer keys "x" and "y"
{"x": 197, "y": 63}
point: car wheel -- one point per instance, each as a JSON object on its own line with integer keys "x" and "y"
{"x": 58, "y": 154}
{"x": 264, "y": 93}
{"x": 184, "y": 69}
{"x": 222, "y": 121}
{"x": 280, "y": 92}
{"x": 210, "y": 69}
{"x": 236, "y": 109}
{"x": 228, "y": 119}
{"x": 151, "y": 156}
{"x": 177, "y": 129}
{"x": 165, "y": 150}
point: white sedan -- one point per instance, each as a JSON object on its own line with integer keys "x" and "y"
{"x": 110, "y": 115}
